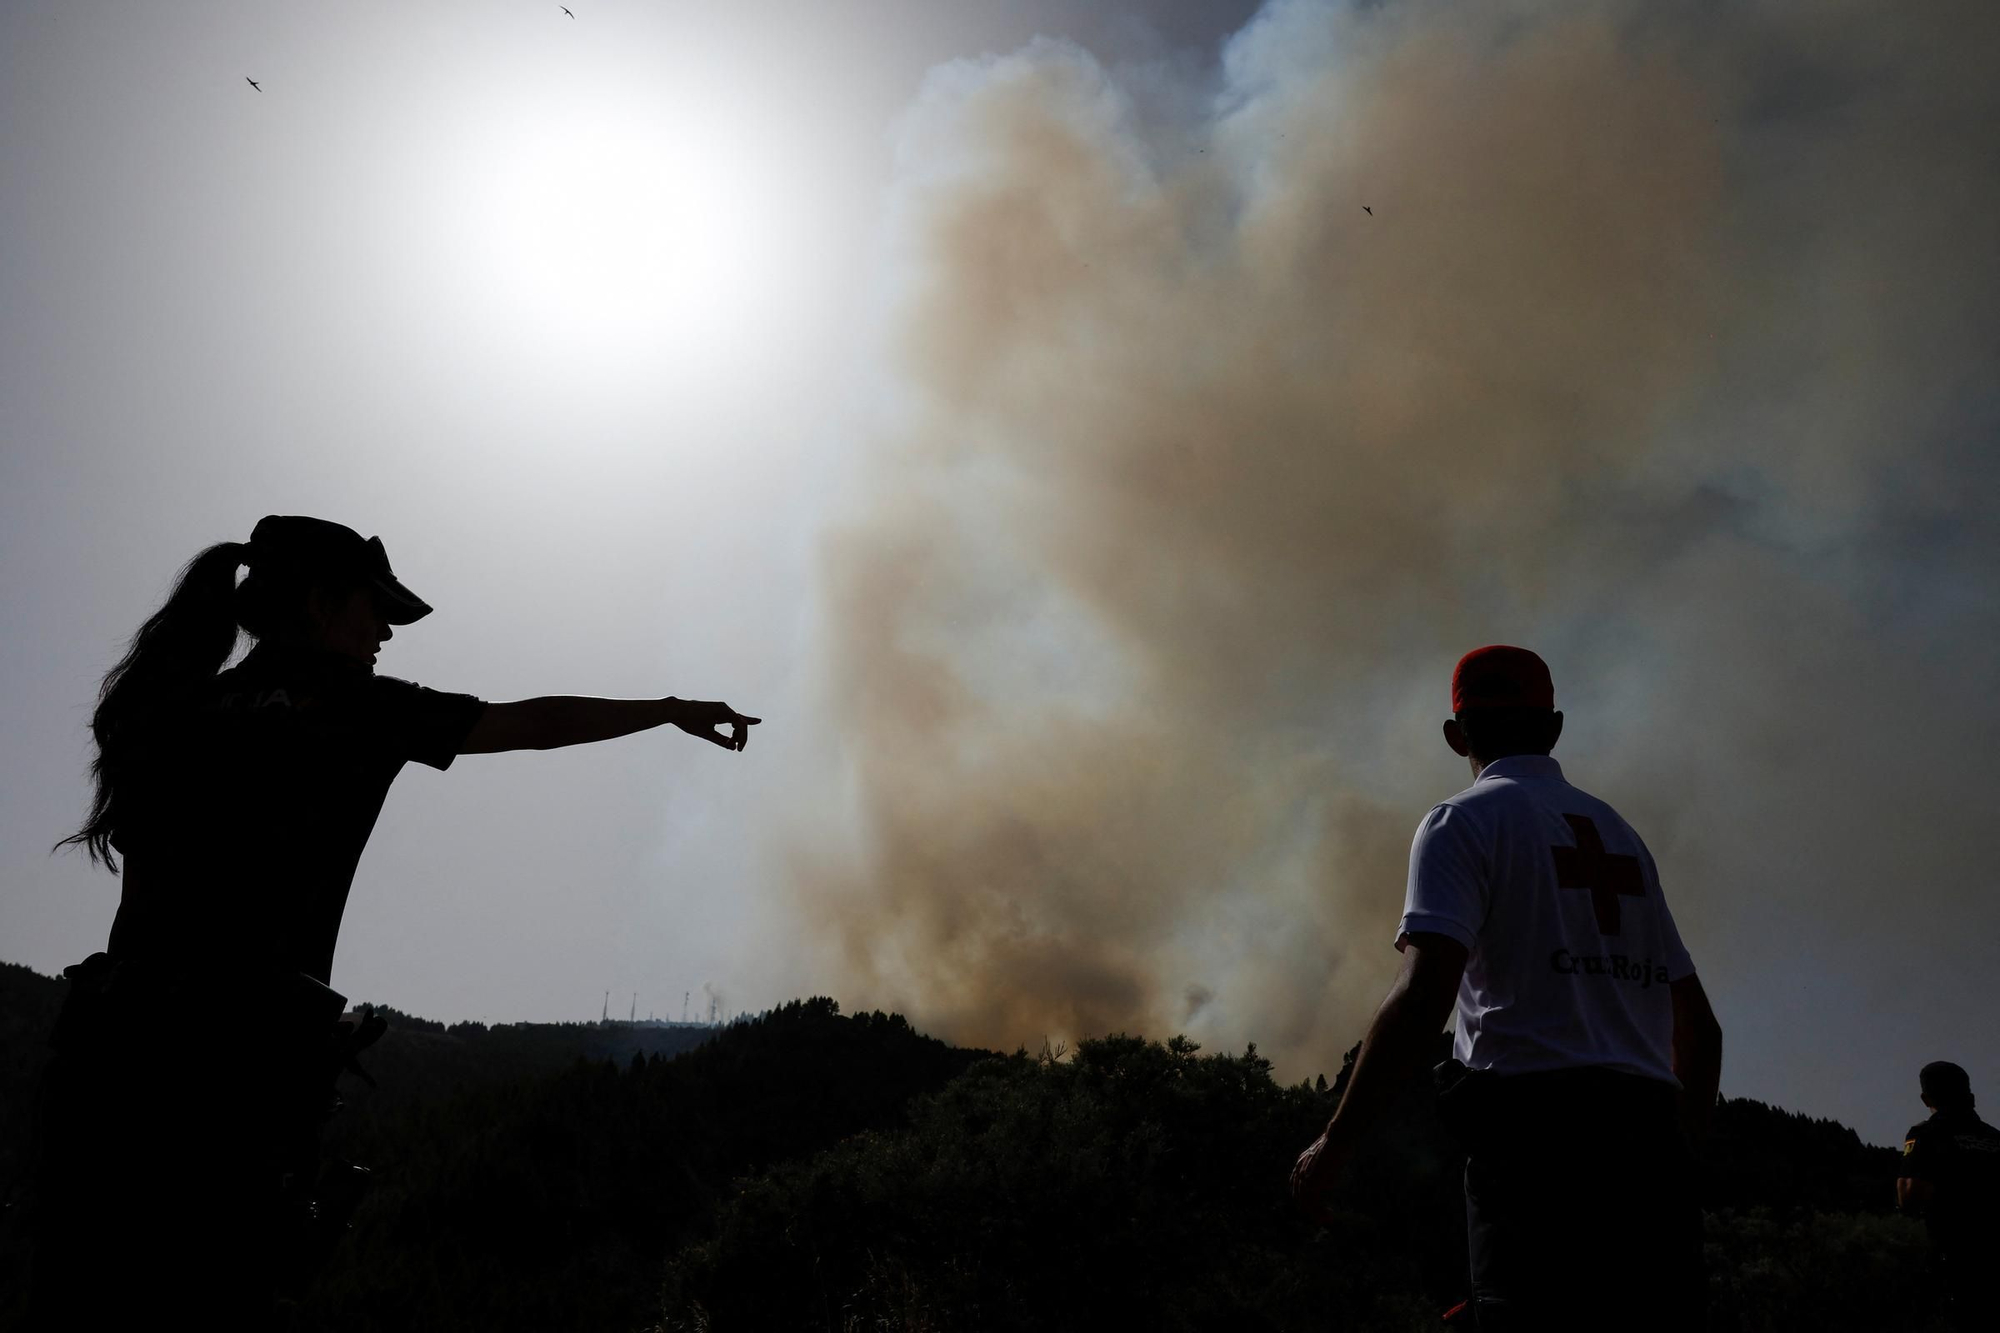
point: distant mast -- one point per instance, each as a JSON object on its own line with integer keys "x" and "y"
{"x": 633, "y": 1017}
{"x": 605, "y": 1017}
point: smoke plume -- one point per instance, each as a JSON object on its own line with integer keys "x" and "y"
{"x": 1222, "y": 413}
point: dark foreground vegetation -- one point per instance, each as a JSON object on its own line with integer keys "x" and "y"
{"x": 813, "y": 1171}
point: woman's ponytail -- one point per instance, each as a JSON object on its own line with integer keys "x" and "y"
{"x": 172, "y": 656}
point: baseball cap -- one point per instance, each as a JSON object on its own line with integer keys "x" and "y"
{"x": 1944, "y": 1082}
{"x": 316, "y": 547}
{"x": 1498, "y": 676}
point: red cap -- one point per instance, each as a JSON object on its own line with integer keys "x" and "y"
{"x": 1501, "y": 677}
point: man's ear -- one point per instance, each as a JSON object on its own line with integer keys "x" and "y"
{"x": 1454, "y": 736}
{"x": 1555, "y": 730}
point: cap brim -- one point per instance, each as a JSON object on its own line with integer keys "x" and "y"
{"x": 400, "y": 606}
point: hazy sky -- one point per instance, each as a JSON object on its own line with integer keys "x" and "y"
{"x": 1014, "y": 405}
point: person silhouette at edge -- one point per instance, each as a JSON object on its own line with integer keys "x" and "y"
{"x": 1586, "y": 1057}
{"x": 1951, "y": 1178}
{"x": 190, "y": 1072}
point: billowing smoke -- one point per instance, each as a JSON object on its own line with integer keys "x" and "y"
{"x": 1222, "y": 415}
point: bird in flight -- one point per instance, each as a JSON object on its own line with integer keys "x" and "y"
{"x": 253, "y": 83}
{"x": 1369, "y": 211}
{"x": 565, "y": 9}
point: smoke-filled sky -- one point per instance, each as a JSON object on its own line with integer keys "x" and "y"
{"x": 1018, "y": 406}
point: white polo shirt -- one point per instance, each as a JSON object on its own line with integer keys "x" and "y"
{"x": 1570, "y": 944}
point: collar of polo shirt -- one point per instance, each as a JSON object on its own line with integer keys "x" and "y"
{"x": 1523, "y": 766}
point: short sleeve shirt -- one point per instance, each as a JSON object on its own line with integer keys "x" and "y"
{"x": 242, "y": 817}
{"x": 1959, "y": 1154}
{"x": 1570, "y": 946}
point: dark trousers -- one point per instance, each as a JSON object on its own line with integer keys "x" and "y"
{"x": 161, "y": 1186}
{"x": 1964, "y": 1275}
{"x": 1580, "y": 1206}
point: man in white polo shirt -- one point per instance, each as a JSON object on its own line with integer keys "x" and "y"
{"x": 1586, "y": 1056}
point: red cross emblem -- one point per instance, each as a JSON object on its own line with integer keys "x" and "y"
{"x": 1588, "y": 866}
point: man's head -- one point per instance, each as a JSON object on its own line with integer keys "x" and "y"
{"x": 1502, "y": 703}
{"x": 1945, "y": 1086}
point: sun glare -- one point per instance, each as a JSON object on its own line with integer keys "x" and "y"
{"x": 614, "y": 233}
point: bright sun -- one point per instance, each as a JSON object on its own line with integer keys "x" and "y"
{"x": 617, "y": 232}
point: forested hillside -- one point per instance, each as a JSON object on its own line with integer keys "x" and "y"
{"x": 810, "y": 1170}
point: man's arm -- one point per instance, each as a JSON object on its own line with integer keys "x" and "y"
{"x": 556, "y": 720}
{"x": 1400, "y": 1039}
{"x": 1916, "y": 1186}
{"x": 1697, "y": 1057}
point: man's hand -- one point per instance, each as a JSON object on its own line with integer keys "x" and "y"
{"x": 698, "y": 717}
{"x": 1405, "y": 1030}
{"x": 1314, "y": 1176}
{"x": 1697, "y": 1056}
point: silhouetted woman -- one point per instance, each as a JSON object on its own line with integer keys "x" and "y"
{"x": 194, "y": 1057}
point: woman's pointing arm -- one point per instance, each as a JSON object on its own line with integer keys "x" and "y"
{"x": 556, "y": 720}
